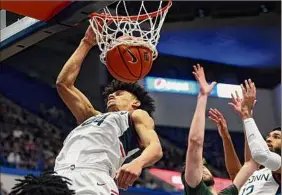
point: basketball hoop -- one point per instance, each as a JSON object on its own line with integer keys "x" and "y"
{"x": 143, "y": 28}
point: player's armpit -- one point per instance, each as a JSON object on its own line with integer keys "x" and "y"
{"x": 144, "y": 126}
{"x": 78, "y": 104}
{"x": 278, "y": 171}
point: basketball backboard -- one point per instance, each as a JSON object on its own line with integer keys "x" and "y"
{"x": 24, "y": 23}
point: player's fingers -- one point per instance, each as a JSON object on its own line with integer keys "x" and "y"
{"x": 247, "y": 85}
{"x": 233, "y": 98}
{"x": 123, "y": 180}
{"x": 215, "y": 112}
{"x": 218, "y": 113}
{"x": 213, "y": 84}
{"x": 254, "y": 103}
{"x": 255, "y": 89}
{"x": 119, "y": 179}
{"x": 129, "y": 180}
{"x": 237, "y": 96}
{"x": 250, "y": 83}
{"x": 195, "y": 68}
{"x": 117, "y": 175}
{"x": 231, "y": 104}
{"x": 243, "y": 89}
{"x": 212, "y": 119}
{"x": 212, "y": 111}
{"x": 196, "y": 76}
{"x": 251, "y": 86}
{"x": 199, "y": 66}
{"x": 133, "y": 179}
{"x": 213, "y": 116}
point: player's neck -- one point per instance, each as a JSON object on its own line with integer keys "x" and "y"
{"x": 115, "y": 109}
{"x": 212, "y": 190}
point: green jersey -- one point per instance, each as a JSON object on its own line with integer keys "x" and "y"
{"x": 202, "y": 189}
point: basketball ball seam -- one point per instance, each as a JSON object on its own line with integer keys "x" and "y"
{"x": 116, "y": 72}
{"x": 141, "y": 59}
{"x": 125, "y": 63}
{"x": 151, "y": 63}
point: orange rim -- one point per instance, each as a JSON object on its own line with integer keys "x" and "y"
{"x": 140, "y": 17}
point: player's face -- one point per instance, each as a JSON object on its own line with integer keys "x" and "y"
{"x": 273, "y": 141}
{"x": 122, "y": 100}
{"x": 207, "y": 177}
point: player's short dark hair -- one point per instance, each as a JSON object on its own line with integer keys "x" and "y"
{"x": 45, "y": 184}
{"x": 147, "y": 102}
{"x": 276, "y": 129}
{"x": 208, "y": 183}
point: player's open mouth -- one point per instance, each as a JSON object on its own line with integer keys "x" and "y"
{"x": 110, "y": 101}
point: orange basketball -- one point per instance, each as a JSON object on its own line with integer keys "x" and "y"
{"x": 129, "y": 63}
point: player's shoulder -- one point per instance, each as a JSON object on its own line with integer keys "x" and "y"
{"x": 139, "y": 113}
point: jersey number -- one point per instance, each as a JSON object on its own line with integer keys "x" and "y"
{"x": 248, "y": 190}
{"x": 98, "y": 120}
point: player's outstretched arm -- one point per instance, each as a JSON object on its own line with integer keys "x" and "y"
{"x": 236, "y": 103}
{"x": 258, "y": 147}
{"x": 152, "y": 153}
{"x": 232, "y": 161}
{"x": 245, "y": 172}
{"x": 79, "y": 105}
{"x": 194, "y": 155}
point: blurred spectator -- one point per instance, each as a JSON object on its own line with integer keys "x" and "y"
{"x": 27, "y": 141}
{"x": 151, "y": 184}
{"x": 14, "y": 158}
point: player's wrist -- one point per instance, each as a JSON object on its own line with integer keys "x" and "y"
{"x": 225, "y": 136}
{"x": 245, "y": 113}
{"x": 203, "y": 95}
{"x": 140, "y": 162}
{"x": 87, "y": 42}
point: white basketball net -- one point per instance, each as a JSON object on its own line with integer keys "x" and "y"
{"x": 142, "y": 32}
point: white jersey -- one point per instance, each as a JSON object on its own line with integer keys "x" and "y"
{"x": 262, "y": 182}
{"x": 106, "y": 139}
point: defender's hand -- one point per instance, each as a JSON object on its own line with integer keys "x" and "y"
{"x": 249, "y": 98}
{"x": 236, "y": 103}
{"x": 219, "y": 120}
{"x": 128, "y": 174}
{"x": 205, "y": 88}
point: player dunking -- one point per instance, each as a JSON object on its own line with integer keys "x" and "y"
{"x": 94, "y": 151}
{"x": 196, "y": 178}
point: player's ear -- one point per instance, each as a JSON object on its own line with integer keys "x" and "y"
{"x": 136, "y": 103}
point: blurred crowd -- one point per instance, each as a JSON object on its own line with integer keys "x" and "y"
{"x": 26, "y": 140}
{"x": 30, "y": 142}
